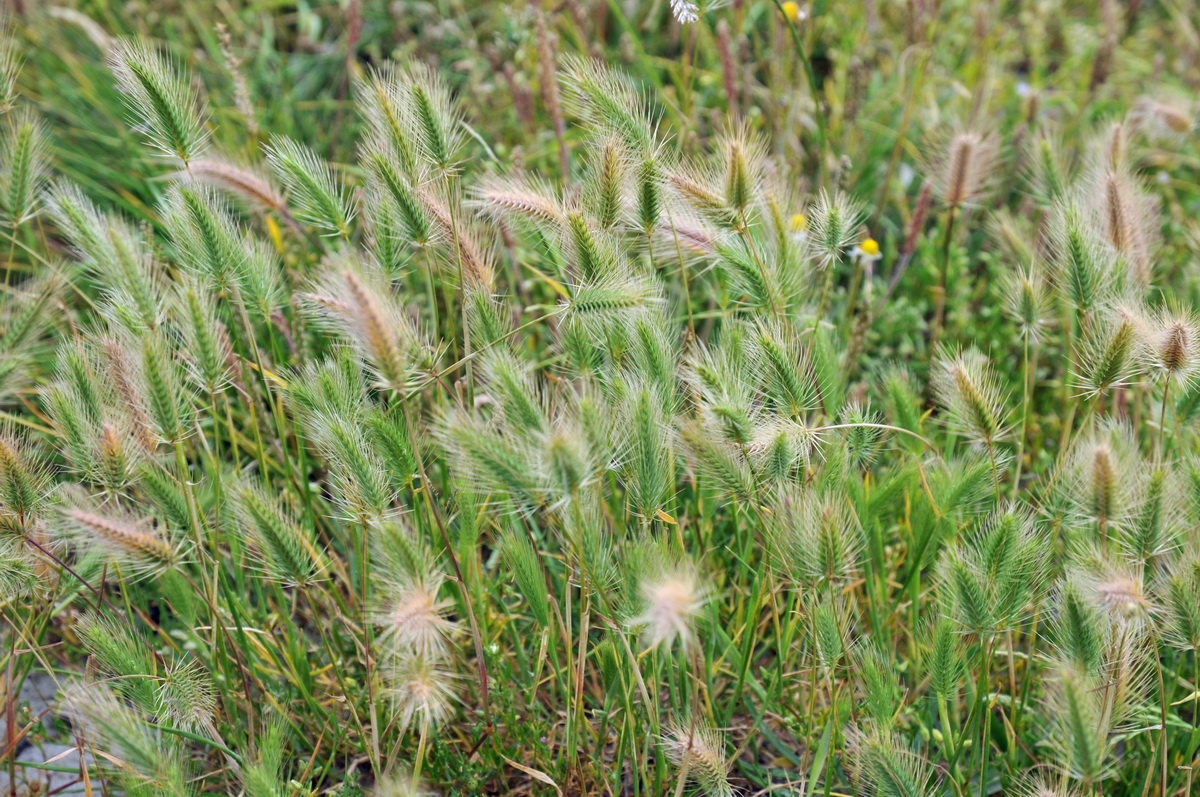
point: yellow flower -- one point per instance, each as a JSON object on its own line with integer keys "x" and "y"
{"x": 869, "y": 247}
{"x": 791, "y": 10}
{"x": 799, "y": 221}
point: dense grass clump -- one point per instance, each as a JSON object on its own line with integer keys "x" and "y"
{"x": 612, "y": 398}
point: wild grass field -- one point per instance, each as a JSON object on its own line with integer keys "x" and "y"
{"x": 600, "y": 397}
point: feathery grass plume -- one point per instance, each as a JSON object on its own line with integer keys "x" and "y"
{"x": 610, "y": 299}
{"x": 1126, "y": 217}
{"x": 74, "y": 406}
{"x": 1081, "y": 725}
{"x": 1048, "y": 168}
{"x": 152, "y": 763}
{"x": 25, "y": 314}
{"x": 389, "y": 435}
{"x": 1155, "y": 527}
{"x": 522, "y": 560}
{"x": 882, "y": 696}
{"x": 722, "y": 466}
{"x": 963, "y": 166}
{"x": 359, "y": 480}
{"x": 289, "y": 553}
{"x": 715, "y": 374}
{"x": 789, "y": 383}
{"x": 816, "y": 540}
{"x": 1041, "y": 786}
{"x": 670, "y": 598}
{"x": 885, "y": 768}
{"x": 862, "y": 442}
{"x": 522, "y": 197}
{"x": 604, "y": 187}
{"x": 946, "y": 663}
{"x": 653, "y": 352}
{"x": 754, "y": 284}
{"x": 240, "y": 182}
{"x": 406, "y": 604}
{"x": 781, "y": 447}
{"x": 421, "y": 689}
{"x": 433, "y": 116}
{"x": 26, "y": 483}
{"x": 646, "y": 449}
{"x": 833, "y": 227}
{"x": 987, "y": 582}
{"x": 132, "y": 543}
{"x": 1108, "y": 356}
{"x": 264, "y": 775}
{"x": 115, "y": 460}
{"x": 206, "y": 340}
{"x": 831, "y": 622}
{"x": 384, "y": 102}
{"x": 415, "y": 224}
{"x": 124, "y": 656}
{"x": 566, "y": 462}
{"x": 1016, "y": 236}
{"x": 1084, "y": 265}
{"x": 1166, "y": 118}
{"x": 695, "y": 188}
{"x": 19, "y": 576}
{"x": 186, "y": 699}
{"x": 610, "y": 101}
{"x": 1179, "y": 598}
{"x": 966, "y": 387}
{"x": 902, "y": 403}
{"x": 1102, "y": 481}
{"x": 207, "y": 239}
{"x": 164, "y": 492}
{"x": 162, "y": 100}
{"x": 743, "y": 156}
{"x": 1026, "y": 303}
{"x": 478, "y": 267}
{"x": 262, "y": 284}
{"x": 1080, "y": 636}
{"x": 1115, "y": 590}
{"x": 593, "y": 250}
{"x": 512, "y": 385}
{"x": 357, "y": 302}
{"x": 114, "y": 252}
{"x": 648, "y": 205}
{"x": 311, "y": 186}
{"x": 161, "y": 383}
{"x": 489, "y": 461}
{"x": 23, "y": 153}
{"x": 1171, "y": 346}
{"x": 332, "y": 386}
{"x": 10, "y": 65}
{"x": 697, "y": 750}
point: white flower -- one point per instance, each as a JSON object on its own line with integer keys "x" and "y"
{"x": 684, "y": 11}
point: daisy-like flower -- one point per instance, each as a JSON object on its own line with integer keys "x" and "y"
{"x": 798, "y": 226}
{"x": 868, "y": 249}
{"x": 794, "y": 12}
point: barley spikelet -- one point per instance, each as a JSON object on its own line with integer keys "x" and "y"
{"x": 130, "y": 543}
{"x": 697, "y": 750}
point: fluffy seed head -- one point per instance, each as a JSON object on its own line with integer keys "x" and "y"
{"x": 421, "y": 688}
{"x": 671, "y": 602}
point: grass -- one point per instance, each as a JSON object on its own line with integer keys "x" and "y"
{"x": 496, "y": 399}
